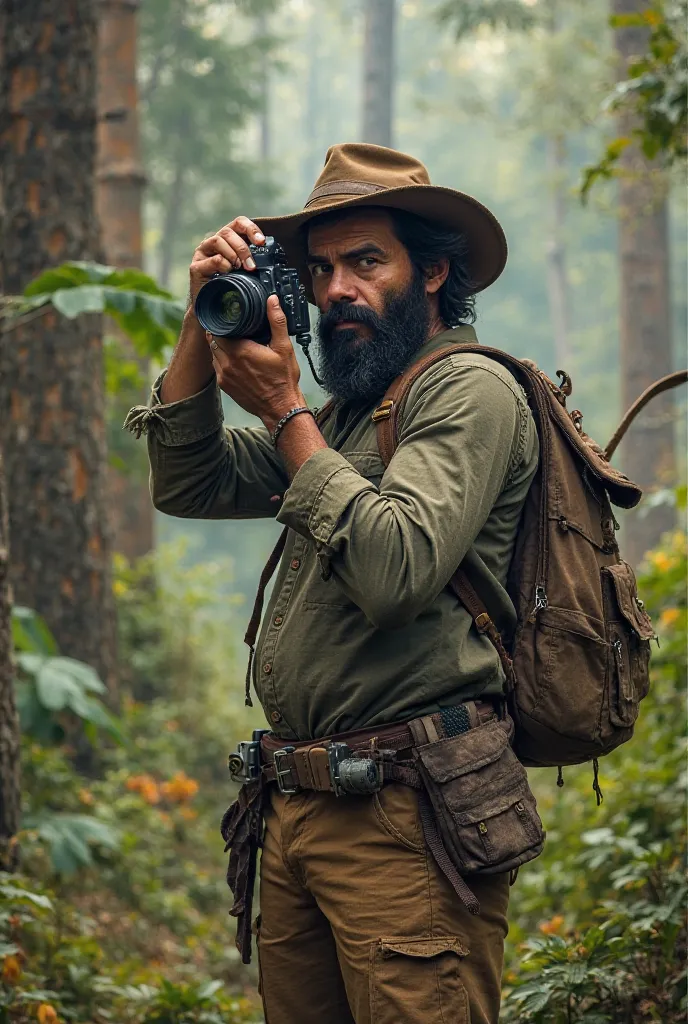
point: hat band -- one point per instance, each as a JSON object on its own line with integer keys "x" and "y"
{"x": 343, "y": 188}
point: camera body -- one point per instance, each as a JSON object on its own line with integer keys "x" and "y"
{"x": 234, "y": 305}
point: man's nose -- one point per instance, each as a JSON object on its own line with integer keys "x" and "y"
{"x": 342, "y": 286}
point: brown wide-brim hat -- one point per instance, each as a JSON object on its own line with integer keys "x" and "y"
{"x": 358, "y": 174}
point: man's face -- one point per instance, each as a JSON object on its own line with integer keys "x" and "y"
{"x": 374, "y": 311}
{"x": 357, "y": 260}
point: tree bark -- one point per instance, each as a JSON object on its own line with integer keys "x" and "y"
{"x": 378, "y": 71}
{"x": 9, "y": 723}
{"x": 645, "y": 315}
{"x": 557, "y": 285}
{"x": 52, "y": 427}
{"x": 120, "y": 183}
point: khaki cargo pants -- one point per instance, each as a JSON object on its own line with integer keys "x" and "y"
{"x": 358, "y": 925}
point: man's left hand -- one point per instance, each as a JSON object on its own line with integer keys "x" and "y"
{"x": 262, "y": 379}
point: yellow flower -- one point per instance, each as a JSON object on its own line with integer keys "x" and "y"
{"x": 11, "y": 970}
{"x": 86, "y": 797}
{"x": 661, "y": 561}
{"x": 669, "y": 617}
{"x": 47, "y": 1014}
{"x": 119, "y": 588}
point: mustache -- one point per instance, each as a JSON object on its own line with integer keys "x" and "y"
{"x": 341, "y": 312}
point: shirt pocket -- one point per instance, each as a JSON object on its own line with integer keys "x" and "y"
{"x": 323, "y": 589}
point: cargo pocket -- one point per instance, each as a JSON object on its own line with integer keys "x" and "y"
{"x": 416, "y": 980}
{"x": 629, "y": 631}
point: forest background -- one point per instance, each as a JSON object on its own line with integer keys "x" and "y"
{"x": 115, "y": 908}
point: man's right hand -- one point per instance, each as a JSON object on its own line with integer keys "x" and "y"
{"x": 226, "y": 250}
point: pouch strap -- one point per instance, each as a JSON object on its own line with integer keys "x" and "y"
{"x": 434, "y": 843}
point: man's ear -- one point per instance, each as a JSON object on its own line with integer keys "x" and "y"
{"x": 436, "y": 275}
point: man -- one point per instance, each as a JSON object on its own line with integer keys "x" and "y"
{"x": 358, "y": 923}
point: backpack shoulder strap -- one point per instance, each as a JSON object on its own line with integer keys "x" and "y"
{"x": 386, "y": 415}
{"x": 386, "y": 419}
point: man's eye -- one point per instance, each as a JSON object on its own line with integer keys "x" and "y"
{"x": 367, "y": 262}
{"x": 319, "y": 269}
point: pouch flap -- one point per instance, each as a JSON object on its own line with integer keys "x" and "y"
{"x": 422, "y": 946}
{"x": 627, "y": 598}
{"x": 622, "y": 491}
{"x": 450, "y": 758}
{"x": 490, "y": 808}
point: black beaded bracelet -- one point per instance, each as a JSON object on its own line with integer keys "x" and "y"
{"x": 285, "y": 419}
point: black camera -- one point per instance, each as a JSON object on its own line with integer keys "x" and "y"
{"x": 233, "y": 305}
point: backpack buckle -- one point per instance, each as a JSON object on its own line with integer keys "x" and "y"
{"x": 383, "y": 411}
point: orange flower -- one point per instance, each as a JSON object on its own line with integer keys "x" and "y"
{"x": 145, "y": 786}
{"x": 86, "y": 797}
{"x": 11, "y": 970}
{"x": 669, "y": 617}
{"x": 180, "y": 788}
{"x": 188, "y": 813}
{"x": 47, "y": 1014}
{"x": 552, "y": 927}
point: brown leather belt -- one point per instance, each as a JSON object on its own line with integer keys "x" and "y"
{"x": 304, "y": 764}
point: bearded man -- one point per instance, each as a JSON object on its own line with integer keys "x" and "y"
{"x": 358, "y": 923}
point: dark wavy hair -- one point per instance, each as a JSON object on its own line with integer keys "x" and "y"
{"x": 426, "y": 243}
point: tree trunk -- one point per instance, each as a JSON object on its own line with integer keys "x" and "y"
{"x": 52, "y": 427}
{"x": 557, "y": 285}
{"x": 170, "y": 221}
{"x": 9, "y": 723}
{"x": 121, "y": 181}
{"x": 645, "y": 317}
{"x": 378, "y": 71}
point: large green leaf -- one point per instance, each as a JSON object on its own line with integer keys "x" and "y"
{"x": 70, "y": 838}
{"x": 148, "y": 314}
{"x": 30, "y": 632}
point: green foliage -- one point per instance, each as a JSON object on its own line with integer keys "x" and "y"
{"x": 52, "y": 691}
{"x": 466, "y": 16}
{"x": 149, "y": 315}
{"x": 655, "y": 92}
{"x": 608, "y": 895}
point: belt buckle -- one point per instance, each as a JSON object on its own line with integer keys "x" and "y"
{"x": 282, "y": 772}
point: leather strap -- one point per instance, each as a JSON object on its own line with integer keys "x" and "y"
{"x": 671, "y": 380}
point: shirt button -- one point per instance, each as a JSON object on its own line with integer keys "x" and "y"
{"x": 295, "y": 563}
{"x": 267, "y": 668}
{"x": 275, "y": 717}
{"x": 278, "y": 620}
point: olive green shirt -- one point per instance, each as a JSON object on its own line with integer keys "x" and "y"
{"x": 361, "y": 628}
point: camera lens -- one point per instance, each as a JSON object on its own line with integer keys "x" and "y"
{"x": 232, "y": 305}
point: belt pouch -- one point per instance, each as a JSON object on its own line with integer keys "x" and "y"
{"x": 479, "y": 791}
{"x": 242, "y": 831}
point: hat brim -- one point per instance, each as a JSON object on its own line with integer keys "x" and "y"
{"x": 487, "y": 248}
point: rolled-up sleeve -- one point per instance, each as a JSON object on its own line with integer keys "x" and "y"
{"x": 392, "y": 549}
{"x": 202, "y": 470}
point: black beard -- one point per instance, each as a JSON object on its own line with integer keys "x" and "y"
{"x": 361, "y": 371}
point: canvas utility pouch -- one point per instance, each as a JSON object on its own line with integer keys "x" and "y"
{"x": 478, "y": 789}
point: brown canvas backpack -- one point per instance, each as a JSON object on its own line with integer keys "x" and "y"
{"x": 578, "y": 665}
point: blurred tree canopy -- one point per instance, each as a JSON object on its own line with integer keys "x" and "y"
{"x": 655, "y": 91}
{"x": 200, "y": 84}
